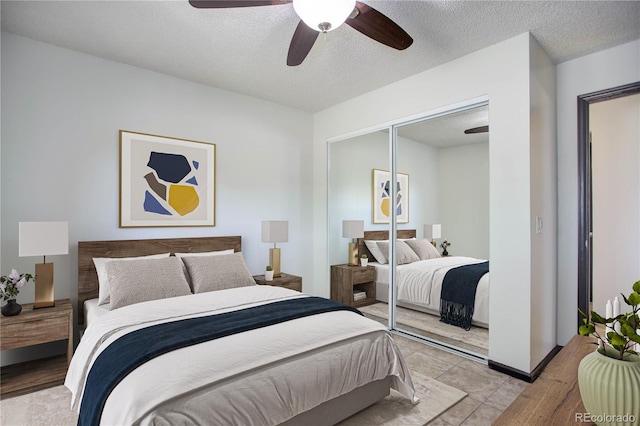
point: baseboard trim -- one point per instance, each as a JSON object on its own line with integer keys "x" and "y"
{"x": 518, "y": 374}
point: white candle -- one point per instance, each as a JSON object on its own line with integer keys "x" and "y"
{"x": 609, "y": 314}
{"x": 616, "y": 312}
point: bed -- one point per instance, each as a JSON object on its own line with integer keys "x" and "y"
{"x": 420, "y": 281}
{"x": 317, "y": 368}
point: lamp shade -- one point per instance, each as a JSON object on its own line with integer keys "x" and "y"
{"x": 43, "y": 238}
{"x": 275, "y": 231}
{"x": 433, "y": 231}
{"x": 325, "y": 15}
{"x": 353, "y": 228}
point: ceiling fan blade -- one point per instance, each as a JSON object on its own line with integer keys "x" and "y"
{"x": 481, "y": 129}
{"x": 223, "y": 4}
{"x": 377, "y": 26}
{"x": 301, "y": 43}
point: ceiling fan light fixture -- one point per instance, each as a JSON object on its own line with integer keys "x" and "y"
{"x": 325, "y": 15}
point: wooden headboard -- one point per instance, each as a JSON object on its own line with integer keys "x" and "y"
{"x": 381, "y": 235}
{"x": 87, "y": 250}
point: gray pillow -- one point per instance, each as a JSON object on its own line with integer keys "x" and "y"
{"x": 135, "y": 281}
{"x": 423, "y": 248}
{"x": 372, "y": 245}
{"x": 212, "y": 273}
{"x": 404, "y": 254}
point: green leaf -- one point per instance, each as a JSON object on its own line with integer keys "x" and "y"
{"x": 626, "y": 330}
{"x": 636, "y": 286}
{"x": 597, "y": 318}
{"x": 616, "y": 340}
{"x": 634, "y": 338}
{"x": 634, "y": 299}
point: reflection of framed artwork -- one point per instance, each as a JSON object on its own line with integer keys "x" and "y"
{"x": 381, "y": 198}
{"x": 166, "y": 181}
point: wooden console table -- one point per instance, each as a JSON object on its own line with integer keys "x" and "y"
{"x": 554, "y": 398}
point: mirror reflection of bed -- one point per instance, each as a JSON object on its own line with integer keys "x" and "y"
{"x": 448, "y": 174}
{"x": 419, "y": 284}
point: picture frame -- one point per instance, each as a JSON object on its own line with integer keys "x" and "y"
{"x": 381, "y": 197}
{"x": 166, "y": 181}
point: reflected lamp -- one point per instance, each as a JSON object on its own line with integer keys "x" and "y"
{"x": 433, "y": 232}
{"x": 353, "y": 229}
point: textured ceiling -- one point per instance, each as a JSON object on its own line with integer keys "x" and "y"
{"x": 244, "y": 50}
{"x": 448, "y": 130}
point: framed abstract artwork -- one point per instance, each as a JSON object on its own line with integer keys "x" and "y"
{"x": 381, "y": 197}
{"x": 166, "y": 181}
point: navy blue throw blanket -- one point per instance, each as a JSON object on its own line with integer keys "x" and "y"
{"x": 458, "y": 294}
{"x": 135, "y": 348}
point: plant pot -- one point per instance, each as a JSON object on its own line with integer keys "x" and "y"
{"x": 11, "y": 308}
{"x": 364, "y": 262}
{"x": 268, "y": 275}
{"x": 610, "y": 388}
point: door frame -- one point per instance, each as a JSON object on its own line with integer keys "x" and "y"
{"x": 584, "y": 188}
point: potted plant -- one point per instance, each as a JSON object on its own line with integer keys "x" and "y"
{"x": 609, "y": 378}
{"x": 444, "y": 246}
{"x": 268, "y": 273}
{"x": 364, "y": 261}
{"x": 10, "y": 286}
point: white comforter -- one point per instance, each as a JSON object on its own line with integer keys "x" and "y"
{"x": 420, "y": 283}
{"x": 263, "y": 376}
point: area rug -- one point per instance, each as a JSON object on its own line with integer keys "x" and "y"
{"x": 51, "y": 407}
{"x": 477, "y": 337}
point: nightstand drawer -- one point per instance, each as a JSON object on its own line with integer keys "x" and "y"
{"x": 34, "y": 332}
{"x": 363, "y": 275}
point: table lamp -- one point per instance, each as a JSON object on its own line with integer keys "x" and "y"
{"x": 432, "y": 232}
{"x": 353, "y": 229}
{"x": 275, "y": 231}
{"x": 43, "y": 239}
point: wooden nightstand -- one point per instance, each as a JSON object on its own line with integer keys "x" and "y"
{"x": 284, "y": 280}
{"x": 345, "y": 279}
{"x": 33, "y": 327}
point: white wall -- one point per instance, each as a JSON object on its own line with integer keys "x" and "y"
{"x": 420, "y": 162}
{"x": 350, "y": 182}
{"x": 543, "y": 293}
{"x": 602, "y": 70}
{"x": 61, "y": 112}
{"x": 464, "y": 199}
{"x": 503, "y": 73}
{"x": 615, "y": 131}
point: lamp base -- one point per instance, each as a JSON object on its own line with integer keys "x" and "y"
{"x": 44, "y": 286}
{"x": 274, "y": 261}
{"x": 353, "y": 254}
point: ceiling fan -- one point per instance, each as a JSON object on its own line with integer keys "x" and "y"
{"x": 323, "y": 16}
{"x": 481, "y": 129}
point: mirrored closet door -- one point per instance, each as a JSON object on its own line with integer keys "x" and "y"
{"x": 446, "y": 157}
{"x": 425, "y": 182}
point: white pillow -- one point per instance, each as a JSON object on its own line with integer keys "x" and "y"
{"x": 375, "y": 251}
{"x": 103, "y": 278}
{"x": 404, "y": 254}
{"x": 141, "y": 280}
{"x": 424, "y": 249}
